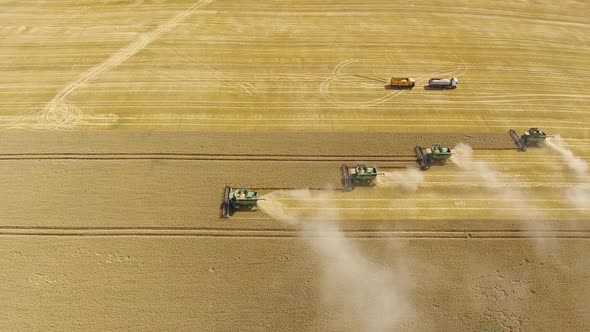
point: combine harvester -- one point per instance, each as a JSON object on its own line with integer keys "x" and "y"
{"x": 442, "y": 83}
{"x": 359, "y": 175}
{"x": 437, "y": 153}
{"x": 238, "y": 199}
{"x": 531, "y": 138}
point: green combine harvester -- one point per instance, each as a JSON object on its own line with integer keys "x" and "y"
{"x": 531, "y": 138}
{"x": 359, "y": 175}
{"x": 534, "y": 137}
{"x": 436, "y": 154}
{"x": 240, "y": 198}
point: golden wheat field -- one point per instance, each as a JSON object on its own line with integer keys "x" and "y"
{"x": 122, "y": 121}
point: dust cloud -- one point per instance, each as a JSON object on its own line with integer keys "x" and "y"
{"x": 579, "y": 195}
{"x": 489, "y": 178}
{"x": 369, "y": 297}
{"x": 579, "y": 166}
{"x": 409, "y": 180}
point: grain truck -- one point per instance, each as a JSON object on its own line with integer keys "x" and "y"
{"x": 402, "y": 83}
{"x": 443, "y": 83}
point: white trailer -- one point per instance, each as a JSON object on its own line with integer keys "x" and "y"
{"x": 443, "y": 83}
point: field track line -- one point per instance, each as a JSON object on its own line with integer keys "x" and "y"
{"x": 205, "y": 157}
{"x": 245, "y": 87}
{"x": 512, "y": 184}
{"x": 16, "y": 231}
{"x": 58, "y": 114}
{"x": 392, "y": 161}
{"x": 128, "y": 51}
{"x": 200, "y": 154}
{"x": 420, "y": 199}
{"x": 320, "y": 124}
{"x": 494, "y": 208}
{"x": 313, "y": 119}
{"x": 216, "y": 156}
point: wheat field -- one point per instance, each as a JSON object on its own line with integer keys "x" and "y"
{"x": 122, "y": 121}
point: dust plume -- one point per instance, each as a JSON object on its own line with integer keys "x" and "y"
{"x": 480, "y": 170}
{"x": 368, "y": 297}
{"x": 579, "y": 166}
{"x": 409, "y": 180}
{"x": 528, "y": 216}
{"x": 579, "y": 195}
{"x": 489, "y": 178}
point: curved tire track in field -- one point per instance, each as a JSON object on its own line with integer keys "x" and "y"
{"x": 459, "y": 70}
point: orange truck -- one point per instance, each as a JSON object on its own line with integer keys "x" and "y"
{"x": 402, "y": 82}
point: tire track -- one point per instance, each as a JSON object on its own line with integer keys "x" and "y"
{"x": 451, "y": 208}
{"x": 18, "y": 231}
{"x": 244, "y": 87}
{"x": 410, "y": 158}
{"x": 57, "y": 114}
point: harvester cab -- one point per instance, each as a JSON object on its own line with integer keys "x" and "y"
{"x": 534, "y": 137}
{"x": 359, "y": 175}
{"x": 437, "y": 153}
{"x": 237, "y": 199}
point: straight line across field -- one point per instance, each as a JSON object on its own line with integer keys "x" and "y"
{"x": 287, "y": 233}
